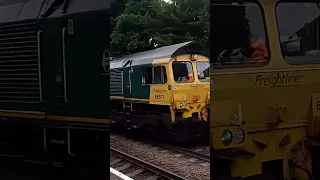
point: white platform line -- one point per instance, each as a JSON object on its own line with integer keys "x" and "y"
{"x": 119, "y": 174}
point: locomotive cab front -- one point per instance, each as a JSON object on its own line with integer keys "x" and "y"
{"x": 190, "y": 82}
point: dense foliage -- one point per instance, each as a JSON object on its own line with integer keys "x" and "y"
{"x": 146, "y": 24}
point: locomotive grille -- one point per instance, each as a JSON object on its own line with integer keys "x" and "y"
{"x": 19, "y": 76}
{"x": 116, "y": 84}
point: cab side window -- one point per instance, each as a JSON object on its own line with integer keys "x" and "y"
{"x": 160, "y": 76}
{"x": 156, "y": 75}
{"x": 299, "y": 38}
{"x": 239, "y": 38}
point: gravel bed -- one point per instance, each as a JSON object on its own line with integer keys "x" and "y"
{"x": 146, "y": 175}
{"x": 166, "y": 159}
{"x": 203, "y": 150}
{"x": 143, "y": 175}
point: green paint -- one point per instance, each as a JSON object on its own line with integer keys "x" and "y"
{"x": 87, "y": 85}
{"x": 139, "y": 90}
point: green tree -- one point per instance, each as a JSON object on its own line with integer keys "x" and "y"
{"x": 145, "y": 24}
{"x": 117, "y": 7}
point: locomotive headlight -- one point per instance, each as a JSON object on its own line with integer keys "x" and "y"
{"x": 226, "y": 137}
{"x": 194, "y": 57}
{"x": 182, "y": 104}
{"x": 239, "y": 136}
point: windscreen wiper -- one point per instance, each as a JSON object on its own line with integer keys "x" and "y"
{"x": 55, "y": 5}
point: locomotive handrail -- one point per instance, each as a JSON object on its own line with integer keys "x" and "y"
{"x": 39, "y": 64}
{"x": 130, "y": 83}
{"x": 64, "y": 65}
{"x": 122, "y": 88}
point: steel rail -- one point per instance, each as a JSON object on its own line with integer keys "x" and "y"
{"x": 187, "y": 152}
{"x": 178, "y": 149}
{"x": 155, "y": 169}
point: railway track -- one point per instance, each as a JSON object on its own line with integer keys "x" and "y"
{"x": 139, "y": 166}
{"x": 190, "y": 162}
{"x": 185, "y": 151}
{"x": 178, "y": 149}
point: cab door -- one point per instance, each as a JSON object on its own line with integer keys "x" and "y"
{"x": 127, "y": 82}
{"x": 159, "y": 91}
{"x": 139, "y": 82}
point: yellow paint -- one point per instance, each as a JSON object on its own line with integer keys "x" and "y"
{"x": 22, "y": 115}
{"x": 116, "y": 98}
{"x": 251, "y": 166}
{"x": 314, "y": 125}
{"x": 195, "y": 95}
{"x": 161, "y": 61}
{"x": 186, "y": 57}
{"x": 160, "y": 94}
{"x": 128, "y": 99}
{"x": 316, "y": 104}
{"x": 80, "y": 119}
{"x": 272, "y": 109}
{"x": 55, "y": 118}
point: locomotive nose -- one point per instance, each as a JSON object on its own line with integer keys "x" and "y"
{"x": 196, "y": 98}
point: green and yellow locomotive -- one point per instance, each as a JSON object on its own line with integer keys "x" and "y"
{"x": 164, "y": 87}
{"x": 54, "y": 81}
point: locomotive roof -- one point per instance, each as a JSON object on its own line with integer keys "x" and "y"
{"x": 147, "y": 57}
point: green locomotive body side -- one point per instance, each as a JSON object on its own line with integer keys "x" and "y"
{"x": 119, "y": 85}
{"x": 139, "y": 92}
{"x": 87, "y": 86}
{"x": 54, "y": 78}
{"x": 59, "y": 62}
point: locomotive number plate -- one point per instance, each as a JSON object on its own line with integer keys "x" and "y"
{"x": 316, "y": 104}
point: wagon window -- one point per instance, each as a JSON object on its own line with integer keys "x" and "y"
{"x": 299, "y": 32}
{"x": 238, "y": 35}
